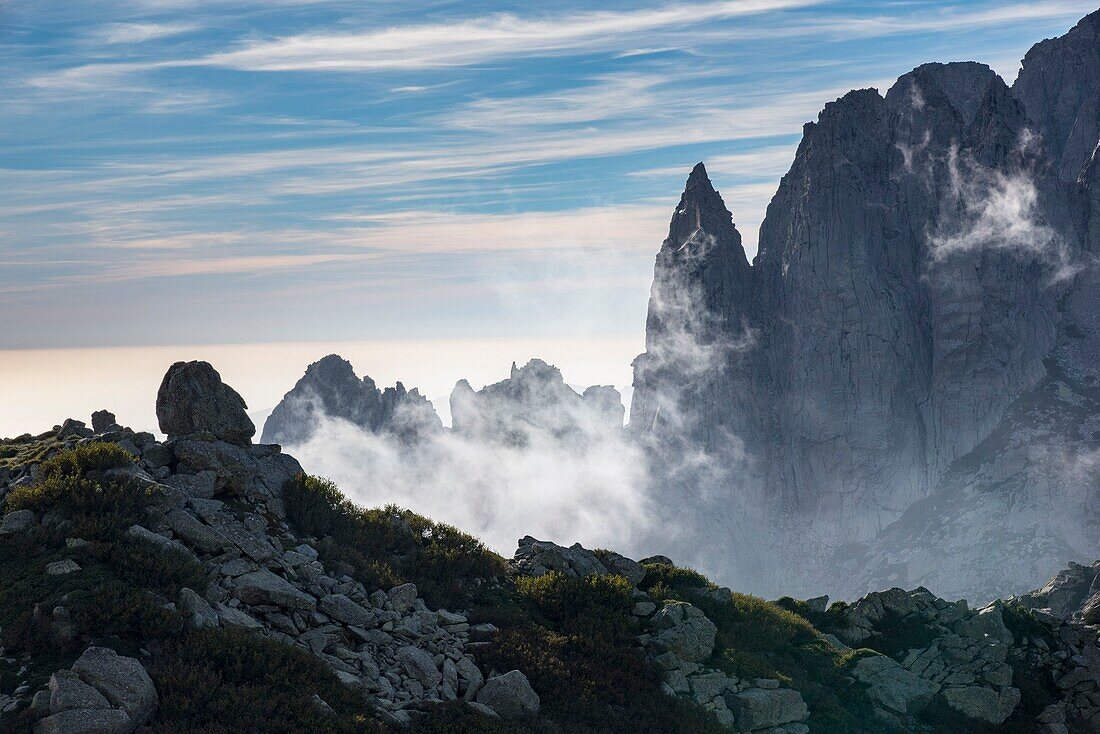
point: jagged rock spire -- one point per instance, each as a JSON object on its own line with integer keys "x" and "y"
{"x": 702, "y": 221}
{"x": 331, "y": 388}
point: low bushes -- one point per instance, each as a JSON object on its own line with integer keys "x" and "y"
{"x": 574, "y": 639}
{"x": 97, "y": 508}
{"x": 458, "y": 718}
{"x": 146, "y": 564}
{"x": 762, "y": 639}
{"x": 388, "y": 546}
{"x": 78, "y": 461}
{"x": 230, "y": 681}
{"x": 598, "y": 605}
{"x": 746, "y": 623}
{"x": 896, "y": 634}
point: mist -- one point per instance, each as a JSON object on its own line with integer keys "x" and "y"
{"x": 560, "y": 472}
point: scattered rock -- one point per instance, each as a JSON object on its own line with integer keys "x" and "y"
{"x": 343, "y": 609}
{"x": 86, "y": 721}
{"x": 983, "y": 704}
{"x": 199, "y": 612}
{"x": 509, "y": 695}
{"x": 122, "y": 680}
{"x": 16, "y": 522}
{"x": 420, "y": 666}
{"x": 684, "y": 630}
{"x": 60, "y": 568}
{"x": 538, "y": 557}
{"x": 264, "y": 587}
{"x": 892, "y": 686}
{"x": 759, "y": 709}
{"x": 67, "y": 691}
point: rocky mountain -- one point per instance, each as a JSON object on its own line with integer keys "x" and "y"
{"x": 331, "y": 389}
{"x": 534, "y": 399}
{"x": 901, "y": 386}
{"x": 204, "y": 584}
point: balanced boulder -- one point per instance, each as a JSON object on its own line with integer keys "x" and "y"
{"x": 192, "y": 399}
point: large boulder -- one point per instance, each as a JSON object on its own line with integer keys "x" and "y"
{"x": 419, "y": 665}
{"x": 538, "y": 557}
{"x": 103, "y": 420}
{"x": 760, "y": 708}
{"x": 86, "y": 721}
{"x": 345, "y": 610}
{"x": 122, "y": 680}
{"x": 192, "y": 399}
{"x": 15, "y": 522}
{"x": 68, "y": 692}
{"x": 264, "y": 587}
{"x": 983, "y": 704}
{"x": 256, "y": 472}
{"x": 893, "y": 687}
{"x": 509, "y": 695}
{"x": 684, "y": 630}
{"x": 1068, "y": 592}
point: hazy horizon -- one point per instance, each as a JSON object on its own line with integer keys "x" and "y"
{"x": 43, "y": 387}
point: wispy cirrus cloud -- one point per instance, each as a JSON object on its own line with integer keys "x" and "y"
{"x": 478, "y": 40}
{"x": 428, "y": 146}
{"x": 125, "y": 33}
{"x": 768, "y": 163}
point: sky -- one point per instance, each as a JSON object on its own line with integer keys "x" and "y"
{"x": 436, "y": 184}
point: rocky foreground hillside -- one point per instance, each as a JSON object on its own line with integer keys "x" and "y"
{"x": 205, "y": 584}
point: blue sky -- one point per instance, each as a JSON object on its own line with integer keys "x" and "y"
{"x": 199, "y": 171}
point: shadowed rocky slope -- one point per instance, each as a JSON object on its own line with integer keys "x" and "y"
{"x": 203, "y": 584}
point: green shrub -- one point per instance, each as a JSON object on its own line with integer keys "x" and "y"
{"x": 97, "y": 508}
{"x": 373, "y": 573}
{"x": 593, "y": 685}
{"x": 458, "y": 718}
{"x": 27, "y": 450}
{"x": 745, "y": 623}
{"x": 574, "y": 639}
{"x": 232, "y": 680}
{"x": 79, "y": 460}
{"x": 448, "y": 561}
{"x": 148, "y": 565}
{"x": 390, "y": 545}
{"x": 751, "y": 623}
{"x": 672, "y": 582}
{"x": 119, "y": 610}
{"x": 762, "y": 639}
{"x": 596, "y": 605}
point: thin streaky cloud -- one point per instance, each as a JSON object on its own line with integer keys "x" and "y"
{"x": 770, "y": 162}
{"x": 477, "y": 40}
{"x": 125, "y": 33}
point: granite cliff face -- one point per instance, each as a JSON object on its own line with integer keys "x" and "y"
{"x": 905, "y": 375}
{"x": 1059, "y": 85}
